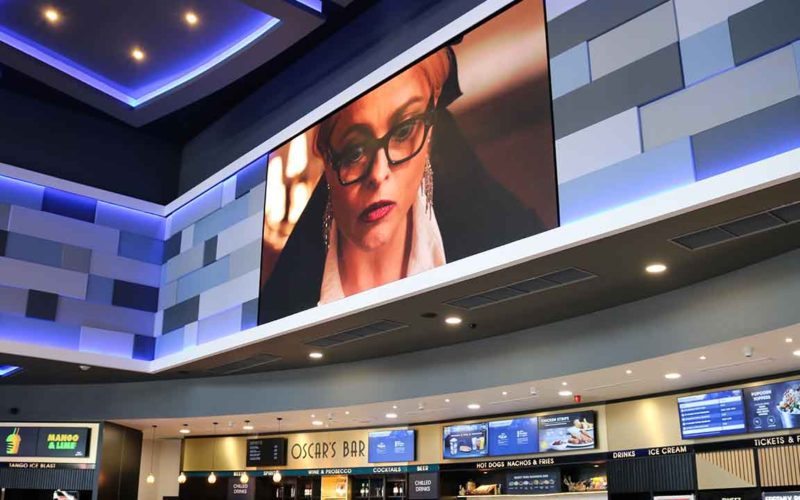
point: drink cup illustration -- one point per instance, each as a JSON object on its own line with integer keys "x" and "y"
{"x": 13, "y": 442}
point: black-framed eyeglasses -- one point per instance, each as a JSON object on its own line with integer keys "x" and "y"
{"x": 401, "y": 143}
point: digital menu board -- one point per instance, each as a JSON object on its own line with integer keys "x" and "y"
{"x": 266, "y": 452}
{"x": 773, "y": 406}
{"x": 533, "y": 481}
{"x": 518, "y": 436}
{"x": 62, "y": 442}
{"x": 466, "y": 441}
{"x": 713, "y": 414}
{"x": 391, "y": 446}
{"x": 567, "y": 432}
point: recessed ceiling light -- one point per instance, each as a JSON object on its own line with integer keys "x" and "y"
{"x": 138, "y": 54}
{"x": 394, "y": 407}
{"x": 453, "y": 320}
{"x": 797, "y": 353}
{"x": 315, "y": 355}
{"x": 185, "y": 429}
{"x": 564, "y": 384}
{"x": 505, "y": 393}
{"x": 628, "y": 372}
{"x": 191, "y": 18}
{"x": 565, "y": 394}
{"x": 656, "y": 268}
{"x": 447, "y": 400}
{"x": 317, "y": 423}
{"x": 672, "y": 376}
{"x": 247, "y": 426}
{"x": 52, "y": 15}
{"x": 703, "y": 358}
{"x": 313, "y": 416}
{"x": 474, "y": 406}
{"x": 789, "y": 340}
{"x": 391, "y": 415}
{"x": 347, "y": 412}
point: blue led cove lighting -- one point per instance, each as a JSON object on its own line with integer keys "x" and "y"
{"x": 8, "y": 370}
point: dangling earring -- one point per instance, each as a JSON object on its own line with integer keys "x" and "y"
{"x": 327, "y": 221}
{"x": 427, "y": 185}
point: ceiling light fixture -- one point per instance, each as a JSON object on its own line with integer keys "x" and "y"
{"x": 52, "y": 15}
{"x": 474, "y": 406}
{"x": 315, "y": 355}
{"x": 505, "y": 393}
{"x": 244, "y": 478}
{"x": 789, "y": 340}
{"x": 564, "y": 384}
{"x": 565, "y": 394}
{"x": 185, "y": 429}
{"x": 137, "y": 54}
{"x": 191, "y": 18}
{"x": 453, "y": 320}
{"x": 797, "y": 353}
{"x": 276, "y": 477}
{"x": 247, "y": 426}
{"x": 182, "y": 478}
{"x": 347, "y": 412}
{"x": 151, "y": 479}
{"x": 317, "y": 423}
{"x": 394, "y": 407}
{"x": 703, "y": 358}
{"x": 672, "y": 376}
{"x": 391, "y": 415}
{"x": 656, "y": 268}
{"x": 447, "y": 400}
{"x": 628, "y": 372}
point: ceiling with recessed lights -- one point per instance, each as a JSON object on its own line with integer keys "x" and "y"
{"x": 138, "y": 61}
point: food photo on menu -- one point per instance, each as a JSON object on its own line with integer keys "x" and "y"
{"x": 773, "y": 406}
{"x": 465, "y": 441}
{"x": 570, "y": 431}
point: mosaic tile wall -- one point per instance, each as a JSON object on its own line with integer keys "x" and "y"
{"x": 648, "y": 95}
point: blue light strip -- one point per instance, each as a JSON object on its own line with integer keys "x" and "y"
{"x": 8, "y": 370}
{"x": 73, "y": 70}
{"x": 312, "y": 4}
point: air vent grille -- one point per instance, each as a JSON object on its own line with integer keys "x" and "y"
{"x": 534, "y": 285}
{"x": 358, "y": 333}
{"x": 739, "y": 228}
{"x": 244, "y": 364}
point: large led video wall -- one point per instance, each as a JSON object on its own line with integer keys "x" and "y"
{"x": 450, "y": 157}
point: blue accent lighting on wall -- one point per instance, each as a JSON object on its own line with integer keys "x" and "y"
{"x": 8, "y": 370}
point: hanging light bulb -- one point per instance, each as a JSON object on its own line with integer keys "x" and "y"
{"x": 151, "y": 478}
{"x": 212, "y": 478}
{"x": 277, "y": 476}
{"x": 181, "y": 478}
{"x": 244, "y": 478}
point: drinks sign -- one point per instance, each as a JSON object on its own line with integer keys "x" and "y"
{"x": 46, "y": 442}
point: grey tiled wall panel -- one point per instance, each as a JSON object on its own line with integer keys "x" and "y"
{"x": 113, "y": 266}
{"x": 764, "y": 27}
{"x": 183, "y": 264}
{"x": 750, "y": 138}
{"x": 13, "y": 300}
{"x": 633, "y": 40}
{"x": 64, "y": 230}
{"x": 742, "y": 90}
{"x": 695, "y": 16}
{"x": 5, "y": 212}
{"x": 27, "y": 275}
{"x": 246, "y": 259}
{"x": 181, "y": 314}
{"x": 104, "y": 316}
{"x": 643, "y": 81}
{"x": 590, "y": 19}
{"x": 76, "y": 258}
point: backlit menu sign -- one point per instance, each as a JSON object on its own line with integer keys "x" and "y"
{"x": 266, "y": 452}
{"x": 237, "y": 490}
{"x": 533, "y": 481}
{"x": 773, "y": 407}
{"x": 45, "y": 442}
{"x": 466, "y": 441}
{"x": 391, "y": 446}
{"x": 567, "y": 432}
{"x": 714, "y": 414}
{"x": 423, "y": 486}
{"x": 518, "y": 436}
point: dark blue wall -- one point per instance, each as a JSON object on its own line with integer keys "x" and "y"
{"x": 382, "y": 32}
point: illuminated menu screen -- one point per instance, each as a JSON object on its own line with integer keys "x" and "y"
{"x": 518, "y": 436}
{"x": 567, "y": 432}
{"x": 714, "y": 414}
{"x": 45, "y": 442}
{"x": 266, "y": 452}
{"x": 391, "y": 446}
{"x": 773, "y": 407}
{"x": 466, "y": 441}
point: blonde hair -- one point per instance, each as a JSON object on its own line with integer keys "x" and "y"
{"x": 435, "y": 70}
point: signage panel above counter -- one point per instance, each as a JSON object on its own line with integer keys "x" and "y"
{"x": 392, "y": 446}
{"x": 567, "y": 432}
{"x": 713, "y": 414}
{"x": 518, "y": 436}
{"x": 266, "y": 452}
{"x": 773, "y": 407}
{"x": 466, "y": 441}
{"x": 44, "y": 442}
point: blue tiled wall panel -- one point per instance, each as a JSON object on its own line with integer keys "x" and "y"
{"x": 106, "y": 342}
{"x": 76, "y": 258}
{"x": 631, "y": 180}
{"x": 27, "y": 275}
{"x": 203, "y": 279}
{"x": 106, "y": 317}
{"x": 223, "y": 218}
{"x": 39, "y": 332}
{"x": 64, "y": 230}
{"x": 100, "y": 289}
{"x": 23, "y": 194}
{"x": 235, "y": 292}
{"x": 183, "y": 264}
{"x": 144, "y": 348}
{"x": 706, "y": 53}
{"x": 143, "y": 248}
{"x": 748, "y": 139}
{"x": 570, "y": 70}
{"x": 132, "y": 221}
{"x": 239, "y": 235}
{"x": 116, "y": 267}
{"x": 195, "y": 210}
{"x": 245, "y": 259}
{"x": 169, "y": 343}
{"x": 69, "y": 205}
{"x": 694, "y": 16}
{"x": 250, "y": 176}
{"x": 181, "y": 314}
{"x": 220, "y": 325}
{"x": 13, "y": 301}
{"x": 32, "y": 249}
{"x": 249, "y": 314}
{"x": 767, "y": 26}
{"x": 135, "y": 296}
{"x": 5, "y": 214}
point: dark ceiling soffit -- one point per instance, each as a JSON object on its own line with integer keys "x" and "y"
{"x": 295, "y": 23}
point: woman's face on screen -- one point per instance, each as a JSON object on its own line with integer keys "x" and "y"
{"x": 371, "y": 211}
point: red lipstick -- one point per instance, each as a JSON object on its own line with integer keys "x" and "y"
{"x": 377, "y": 211}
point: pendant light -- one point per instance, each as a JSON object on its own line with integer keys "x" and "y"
{"x": 244, "y": 478}
{"x": 151, "y": 479}
{"x": 184, "y": 430}
{"x": 277, "y": 476}
{"x": 181, "y": 478}
{"x": 212, "y": 478}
